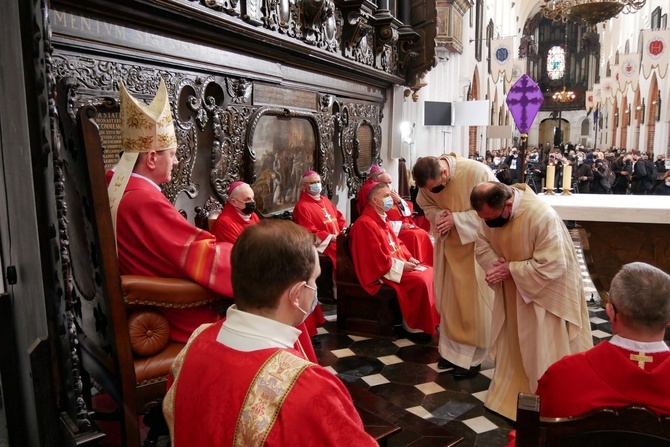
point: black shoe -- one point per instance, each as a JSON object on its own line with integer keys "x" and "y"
{"x": 464, "y": 373}
{"x": 316, "y": 341}
{"x": 445, "y": 364}
{"x": 420, "y": 337}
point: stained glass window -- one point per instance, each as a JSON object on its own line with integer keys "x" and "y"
{"x": 556, "y": 62}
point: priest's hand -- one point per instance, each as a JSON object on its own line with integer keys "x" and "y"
{"x": 409, "y": 266}
{"x": 499, "y": 272}
{"x": 395, "y": 196}
{"x": 445, "y": 222}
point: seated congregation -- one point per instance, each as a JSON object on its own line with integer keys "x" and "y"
{"x": 253, "y": 359}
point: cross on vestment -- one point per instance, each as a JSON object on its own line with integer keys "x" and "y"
{"x": 641, "y": 359}
{"x": 395, "y": 248}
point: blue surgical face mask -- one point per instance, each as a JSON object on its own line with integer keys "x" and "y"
{"x": 315, "y": 188}
{"x": 314, "y": 303}
{"x": 387, "y": 203}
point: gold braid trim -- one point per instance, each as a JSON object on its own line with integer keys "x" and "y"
{"x": 265, "y": 396}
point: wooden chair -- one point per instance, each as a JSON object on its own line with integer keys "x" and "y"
{"x": 123, "y": 342}
{"x": 358, "y": 312}
{"x": 631, "y": 426}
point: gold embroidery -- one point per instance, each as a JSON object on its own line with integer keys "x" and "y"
{"x": 641, "y": 359}
{"x": 265, "y": 396}
{"x": 166, "y": 140}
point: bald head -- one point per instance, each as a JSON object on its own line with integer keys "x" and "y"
{"x": 492, "y": 194}
{"x": 384, "y": 177}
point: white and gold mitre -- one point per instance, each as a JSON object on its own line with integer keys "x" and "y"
{"x": 144, "y": 128}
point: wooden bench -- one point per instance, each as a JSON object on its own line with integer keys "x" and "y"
{"x": 358, "y": 312}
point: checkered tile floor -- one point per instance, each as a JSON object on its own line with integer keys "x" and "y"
{"x": 405, "y": 373}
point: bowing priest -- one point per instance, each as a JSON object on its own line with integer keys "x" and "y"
{"x": 381, "y": 258}
{"x": 241, "y": 382}
{"x": 319, "y": 216}
{"x": 463, "y": 298}
{"x": 539, "y": 312}
{"x": 417, "y": 240}
{"x": 152, "y": 238}
{"x": 237, "y": 214}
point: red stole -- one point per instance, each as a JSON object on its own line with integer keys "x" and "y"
{"x": 230, "y": 224}
{"x": 373, "y": 248}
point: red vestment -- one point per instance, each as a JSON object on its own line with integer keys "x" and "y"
{"x": 213, "y": 382}
{"x": 603, "y": 376}
{"x": 230, "y": 223}
{"x": 373, "y": 247}
{"x": 322, "y": 219}
{"x": 415, "y": 239}
{"x": 153, "y": 239}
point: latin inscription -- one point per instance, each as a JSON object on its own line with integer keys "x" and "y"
{"x": 109, "y": 125}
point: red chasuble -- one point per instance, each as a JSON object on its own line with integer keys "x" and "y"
{"x": 321, "y": 218}
{"x": 605, "y": 376}
{"x": 373, "y": 245}
{"x": 230, "y": 223}
{"x": 214, "y": 380}
{"x": 415, "y": 239}
{"x": 153, "y": 239}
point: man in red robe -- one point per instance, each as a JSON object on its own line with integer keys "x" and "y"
{"x": 240, "y": 382}
{"x": 319, "y": 216}
{"x": 361, "y": 197}
{"x": 237, "y": 214}
{"x": 633, "y": 367}
{"x": 417, "y": 240}
{"x": 152, "y": 237}
{"x": 381, "y": 258}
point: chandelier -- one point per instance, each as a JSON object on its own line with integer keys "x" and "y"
{"x": 588, "y": 11}
{"x": 564, "y": 96}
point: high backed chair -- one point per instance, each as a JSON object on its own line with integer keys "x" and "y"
{"x": 123, "y": 338}
{"x": 358, "y": 312}
{"x": 633, "y": 426}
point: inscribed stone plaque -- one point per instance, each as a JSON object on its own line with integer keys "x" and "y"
{"x": 109, "y": 124}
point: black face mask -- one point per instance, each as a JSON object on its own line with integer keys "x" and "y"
{"x": 498, "y": 221}
{"x": 437, "y": 189}
{"x": 249, "y": 207}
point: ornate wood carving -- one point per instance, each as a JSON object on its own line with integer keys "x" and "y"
{"x": 359, "y": 38}
{"x": 96, "y": 84}
{"x": 229, "y": 126}
{"x": 355, "y": 121}
{"x": 231, "y": 7}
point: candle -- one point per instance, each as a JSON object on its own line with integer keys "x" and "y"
{"x": 551, "y": 174}
{"x": 567, "y": 177}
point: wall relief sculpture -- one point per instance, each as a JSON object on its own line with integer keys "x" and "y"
{"x": 95, "y": 82}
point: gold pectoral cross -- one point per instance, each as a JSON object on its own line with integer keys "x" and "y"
{"x": 641, "y": 359}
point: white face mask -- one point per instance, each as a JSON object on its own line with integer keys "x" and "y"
{"x": 667, "y": 183}
{"x": 315, "y": 188}
{"x": 314, "y": 303}
{"x": 387, "y": 203}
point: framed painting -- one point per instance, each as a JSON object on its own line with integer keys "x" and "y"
{"x": 282, "y": 146}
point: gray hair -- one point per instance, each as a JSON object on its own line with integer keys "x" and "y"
{"x": 641, "y": 293}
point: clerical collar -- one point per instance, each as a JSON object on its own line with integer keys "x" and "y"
{"x": 244, "y": 216}
{"x": 248, "y": 332}
{"x": 382, "y": 215}
{"x": 316, "y": 198}
{"x": 639, "y": 346}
